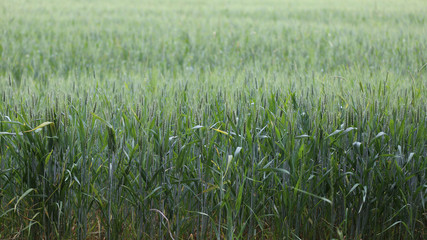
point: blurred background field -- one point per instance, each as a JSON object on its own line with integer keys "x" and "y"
{"x": 213, "y": 119}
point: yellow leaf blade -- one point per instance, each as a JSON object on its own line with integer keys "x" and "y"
{"x": 40, "y": 126}
{"x": 220, "y": 131}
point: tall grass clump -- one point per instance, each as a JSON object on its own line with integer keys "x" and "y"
{"x": 219, "y": 120}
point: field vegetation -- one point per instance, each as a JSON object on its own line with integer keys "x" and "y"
{"x": 213, "y": 119}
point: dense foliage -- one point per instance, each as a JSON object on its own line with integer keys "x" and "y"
{"x": 213, "y": 119}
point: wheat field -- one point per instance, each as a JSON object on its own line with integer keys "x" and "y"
{"x": 220, "y": 119}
